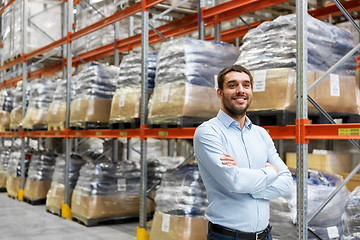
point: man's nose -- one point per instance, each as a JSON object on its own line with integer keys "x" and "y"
{"x": 240, "y": 88}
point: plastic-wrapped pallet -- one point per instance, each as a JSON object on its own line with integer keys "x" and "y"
{"x": 94, "y": 90}
{"x": 16, "y": 112}
{"x": 41, "y": 32}
{"x": 40, "y": 175}
{"x": 4, "y": 159}
{"x": 327, "y": 224}
{"x": 186, "y": 80}
{"x": 57, "y": 109}
{"x": 106, "y": 191}
{"x": 273, "y": 45}
{"x": 275, "y": 89}
{"x": 125, "y": 106}
{"x": 6, "y": 103}
{"x": 13, "y": 172}
{"x": 41, "y": 93}
{"x": 351, "y": 217}
{"x": 87, "y": 16}
{"x": 56, "y": 193}
{"x": 180, "y": 206}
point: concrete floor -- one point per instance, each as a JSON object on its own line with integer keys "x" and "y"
{"x": 22, "y": 221}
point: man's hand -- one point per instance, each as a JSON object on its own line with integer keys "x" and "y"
{"x": 228, "y": 160}
{"x": 267, "y": 164}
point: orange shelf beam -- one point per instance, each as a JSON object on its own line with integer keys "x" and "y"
{"x": 333, "y": 131}
{"x": 170, "y": 133}
{"x": 332, "y": 10}
{"x": 10, "y": 2}
{"x": 313, "y": 131}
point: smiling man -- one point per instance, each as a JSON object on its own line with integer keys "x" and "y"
{"x": 239, "y": 164}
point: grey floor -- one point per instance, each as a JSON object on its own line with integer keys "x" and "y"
{"x": 22, "y": 221}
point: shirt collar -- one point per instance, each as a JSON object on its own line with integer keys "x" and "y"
{"x": 227, "y": 120}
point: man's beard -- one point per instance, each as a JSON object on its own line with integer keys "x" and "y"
{"x": 233, "y": 111}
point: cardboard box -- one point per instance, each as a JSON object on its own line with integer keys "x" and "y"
{"x": 4, "y": 120}
{"x": 171, "y": 100}
{"x": 15, "y": 118}
{"x": 125, "y": 104}
{"x": 171, "y": 227}
{"x": 35, "y": 116}
{"x": 2, "y": 180}
{"x": 36, "y": 190}
{"x": 12, "y": 185}
{"x": 354, "y": 181}
{"x": 332, "y": 162}
{"x": 90, "y": 109}
{"x": 57, "y": 116}
{"x": 275, "y": 89}
{"x": 55, "y": 197}
{"x": 106, "y": 206}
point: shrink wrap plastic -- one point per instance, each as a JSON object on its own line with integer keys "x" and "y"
{"x": 108, "y": 190}
{"x": 182, "y": 193}
{"x": 87, "y": 16}
{"x": 16, "y": 112}
{"x": 327, "y": 224}
{"x": 125, "y": 105}
{"x": 41, "y": 93}
{"x": 351, "y": 217}
{"x": 191, "y": 60}
{"x": 273, "y": 45}
{"x": 186, "y": 77}
{"x": 94, "y": 90}
{"x": 55, "y": 195}
{"x": 41, "y": 31}
{"x": 40, "y": 174}
{"x": 13, "y": 172}
{"x": 4, "y": 159}
{"x": 57, "y": 109}
{"x": 180, "y": 206}
{"x": 6, "y": 104}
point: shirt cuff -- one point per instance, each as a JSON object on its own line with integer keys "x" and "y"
{"x": 271, "y": 175}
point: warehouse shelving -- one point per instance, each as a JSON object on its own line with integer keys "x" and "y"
{"x": 302, "y": 132}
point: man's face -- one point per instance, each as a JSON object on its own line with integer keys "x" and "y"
{"x": 236, "y": 95}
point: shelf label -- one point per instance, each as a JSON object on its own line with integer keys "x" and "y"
{"x": 165, "y": 226}
{"x": 334, "y": 85}
{"x": 29, "y": 134}
{"x": 98, "y": 133}
{"x": 123, "y": 134}
{"x": 42, "y": 134}
{"x": 259, "y": 81}
{"x": 349, "y": 131}
{"x": 57, "y": 133}
{"x": 163, "y": 133}
{"x": 78, "y": 133}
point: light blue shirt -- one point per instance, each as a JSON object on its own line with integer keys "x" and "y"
{"x": 239, "y": 196}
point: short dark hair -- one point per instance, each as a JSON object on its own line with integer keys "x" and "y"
{"x": 232, "y": 68}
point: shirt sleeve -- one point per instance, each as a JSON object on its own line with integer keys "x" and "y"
{"x": 283, "y": 185}
{"x": 209, "y": 149}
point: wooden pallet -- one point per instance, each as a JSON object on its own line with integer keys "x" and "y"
{"x": 126, "y": 124}
{"x": 35, "y": 201}
{"x": 94, "y": 222}
{"x": 176, "y": 122}
{"x": 285, "y": 117}
{"x": 56, "y": 127}
{"x": 88, "y": 125}
{"x": 54, "y": 211}
{"x": 39, "y": 127}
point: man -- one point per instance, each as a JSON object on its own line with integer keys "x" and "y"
{"x": 239, "y": 164}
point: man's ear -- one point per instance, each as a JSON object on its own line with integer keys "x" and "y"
{"x": 219, "y": 93}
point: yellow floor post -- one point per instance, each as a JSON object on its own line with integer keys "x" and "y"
{"x": 65, "y": 211}
{"x": 142, "y": 234}
{"x": 21, "y": 194}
